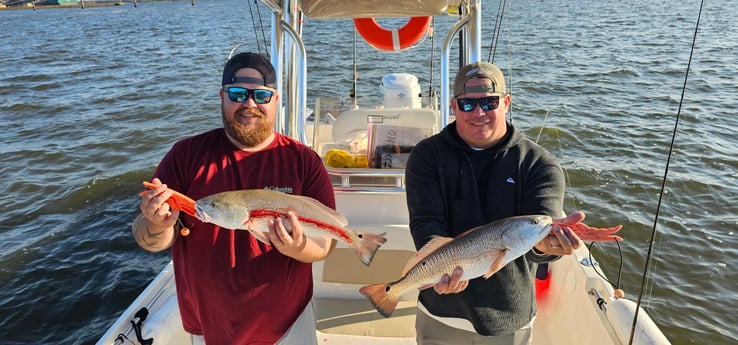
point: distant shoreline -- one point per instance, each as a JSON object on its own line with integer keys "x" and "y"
{"x": 87, "y": 4}
{"x": 44, "y": 7}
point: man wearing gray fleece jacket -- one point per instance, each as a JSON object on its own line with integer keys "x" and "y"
{"x": 479, "y": 169}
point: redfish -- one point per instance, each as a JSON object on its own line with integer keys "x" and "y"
{"x": 251, "y": 209}
{"x": 480, "y": 252}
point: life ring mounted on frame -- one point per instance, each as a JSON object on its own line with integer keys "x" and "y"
{"x": 392, "y": 40}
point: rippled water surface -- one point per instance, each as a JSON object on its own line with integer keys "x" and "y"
{"x": 91, "y": 99}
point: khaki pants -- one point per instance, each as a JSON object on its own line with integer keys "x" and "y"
{"x": 302, "y": 332}
{"x": 433, "y": 332}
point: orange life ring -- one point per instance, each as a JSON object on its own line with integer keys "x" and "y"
{"x": 394, "y": 40}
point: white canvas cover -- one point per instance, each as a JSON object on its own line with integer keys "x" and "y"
{"x": 372, "y": 8}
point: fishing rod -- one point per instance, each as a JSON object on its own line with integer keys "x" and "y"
{"x": 501, "y": 11}
{"x": 253, "y": 23}
{"x": 431, "y": 92}
{"x": 261, "y": 26}
{"x": 496, "y": 33}
{"x": 352, "y": 93}
{"x": 666, "y": 173}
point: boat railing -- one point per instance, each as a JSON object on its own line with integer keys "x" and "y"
{"x": 367, "y": 180}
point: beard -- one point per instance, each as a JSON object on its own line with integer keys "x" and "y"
{"x": 248, "y": 135}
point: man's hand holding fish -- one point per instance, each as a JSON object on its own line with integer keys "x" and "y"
{"x": 563, "y": 240}
{"x": 452, "y": 283}
{"x": 157, "y": 218}
{"x": 294, "y": 243}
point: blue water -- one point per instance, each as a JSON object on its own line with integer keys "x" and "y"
{"x": 91, "y": 99}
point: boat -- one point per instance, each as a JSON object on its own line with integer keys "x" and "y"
{"x": 576, "y": 304}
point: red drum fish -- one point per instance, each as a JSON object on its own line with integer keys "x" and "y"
{"x": 480, "y": 252}
{"x": 251, "y": 209}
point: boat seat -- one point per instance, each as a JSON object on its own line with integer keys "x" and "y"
{"x": 352, "y": 313}
{"x": 359, "y": 318}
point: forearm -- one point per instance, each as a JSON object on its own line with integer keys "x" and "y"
{"x": 150, "y": 237}
{"x": 544, "y": 193}
{"x": 538, "y": 256}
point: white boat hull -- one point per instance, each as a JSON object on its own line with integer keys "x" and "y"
{"x": 344, "y": 316}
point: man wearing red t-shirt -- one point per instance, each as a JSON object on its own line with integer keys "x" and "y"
{"x": 231, "y": 288}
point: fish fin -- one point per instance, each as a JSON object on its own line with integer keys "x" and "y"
{"x": 259, "y": 235}
{"x": 367, "y": 245}
{"x": 233, "y": 248}
{"x": 426, "y": 286}
{"x": 430, "y": 247}
{"x": 335, "y": 214}
{"x": 498, "y": 264}
{"x": 215, "y": 234}
{"x": 380, "y": 298}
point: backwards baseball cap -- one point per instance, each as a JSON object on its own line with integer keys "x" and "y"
{"x": 479, "y": 70}
{"x": 249, "y": 60}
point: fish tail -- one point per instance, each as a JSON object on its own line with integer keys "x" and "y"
{"x": 367, "y": 245}
{"x": 384, "y": 302}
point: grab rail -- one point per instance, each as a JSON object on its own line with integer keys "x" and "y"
{"x": 368, "y": 180}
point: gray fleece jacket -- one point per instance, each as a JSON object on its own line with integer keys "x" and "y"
{"x": 452, "y": 188}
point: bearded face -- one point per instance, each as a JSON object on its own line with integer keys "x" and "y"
{"x": 248, "y": 123}
{"x": 248, "y": 133}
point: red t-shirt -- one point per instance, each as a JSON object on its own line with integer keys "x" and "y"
{"x": 255, "y": 298}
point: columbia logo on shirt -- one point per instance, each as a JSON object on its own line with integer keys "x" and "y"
{"x": 286, "y": 189}
{"x": 510, "y": 180}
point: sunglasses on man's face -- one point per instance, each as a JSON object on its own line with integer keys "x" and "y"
{"x": 486, "y": 103}
{"x": 241, "y": 94}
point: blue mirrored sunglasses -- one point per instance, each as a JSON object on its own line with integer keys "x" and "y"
{"x": 486, "y": 103}
{"x": 241, "y": 94}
